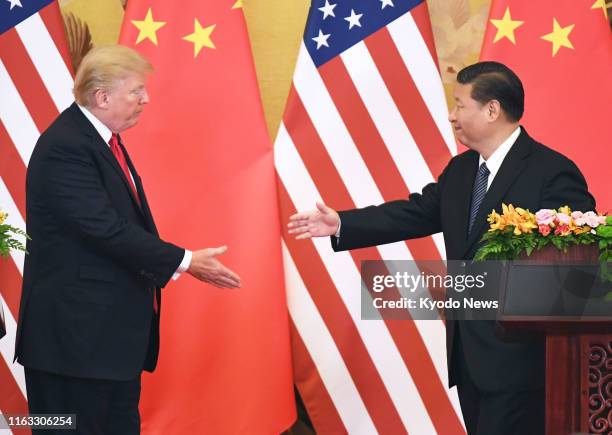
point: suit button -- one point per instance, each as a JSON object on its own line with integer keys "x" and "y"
{"x": 462, "y": 264}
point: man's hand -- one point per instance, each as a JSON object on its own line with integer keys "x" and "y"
{"x": 323, "y": 221}
{"x": 205, "y": 267}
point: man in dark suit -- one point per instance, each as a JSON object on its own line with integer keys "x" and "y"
{"x": 500, "y": 381}
{"x": 91, "y": 301}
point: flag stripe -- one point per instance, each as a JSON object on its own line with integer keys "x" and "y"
{"x": 52, "y": 18}
{"x": 332, "y": 131}
{"x": 409, "y": 102}
{"x": 10, "y": 288}
{"x": 16, "y": 117}
{"x": 441, "y": 404}
{"x": 7, "y": 349}
{"x": 321, "y": 409}
{"x": 343, "y": 271}
{"x": 26, "y": 80}
{"x": 314, "y": 152}
{"x": 369, "y": 143}
{"x": 424, "y": 73}
{"x": 12, "y": 170}
{"x": 47, "y": 59}
{"x": 432, "y": 332}
{"x": 409, "y": 336}
{"x": 12, "y": 400}
{"x": 324, "y": 352}
{"x": 340, "y": 324}
{"x": 361, "y": 128}
{"x": 396, "y": 135}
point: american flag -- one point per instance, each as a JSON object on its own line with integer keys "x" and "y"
{"x": 365, "y": 122}
{"x": 35, "y": 86}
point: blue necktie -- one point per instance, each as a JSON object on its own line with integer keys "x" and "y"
{"x": 479, "y": 192}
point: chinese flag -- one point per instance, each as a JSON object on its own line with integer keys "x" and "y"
{"x": 206, "y": 161}
{"x": 562, "y": 51}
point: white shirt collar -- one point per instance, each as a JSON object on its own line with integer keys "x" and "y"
{"x": 496, "y": 159}
{"x": 102, "y": 129}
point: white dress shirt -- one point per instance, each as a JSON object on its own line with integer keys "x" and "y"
{"x": 496, "y": 159}
{"x": 106, "y": 134}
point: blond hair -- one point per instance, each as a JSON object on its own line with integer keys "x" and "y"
{"x": 102, "y": 67}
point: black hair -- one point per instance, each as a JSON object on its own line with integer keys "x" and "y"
{"x": 495, "y": 81}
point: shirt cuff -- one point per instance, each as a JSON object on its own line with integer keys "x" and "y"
{"x": 184, "y": 265}
{"x": 337, "y": 235}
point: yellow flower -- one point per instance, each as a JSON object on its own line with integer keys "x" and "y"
{"x": 580, "y": 230}
{"x": 3, "y": 216}
{"x": 525, "y": 227}
{"x": 496, "y": 221}
{"x": 522, "y": 220}
{"x": 565, "y": 210}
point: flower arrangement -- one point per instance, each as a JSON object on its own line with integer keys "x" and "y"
{"x": 517, "y": 230}
{"x": 7, "y": 240}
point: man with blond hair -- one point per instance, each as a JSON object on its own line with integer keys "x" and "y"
{"x": 91, "y": 300}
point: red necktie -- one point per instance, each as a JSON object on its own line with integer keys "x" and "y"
{"x": 118, "y": 153}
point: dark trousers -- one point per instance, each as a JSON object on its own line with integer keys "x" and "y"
{"x": 499, "y": 413}
{"x": 101, "y": 406}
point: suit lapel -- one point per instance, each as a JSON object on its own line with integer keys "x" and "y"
{"x": 511, "y": 168}
{"x": 89, "y": 130}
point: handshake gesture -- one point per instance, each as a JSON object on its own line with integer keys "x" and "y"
{"x": 322, "y": 222}
{"x": 205, "y": 267}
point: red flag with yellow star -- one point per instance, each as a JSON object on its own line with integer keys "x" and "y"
{"x": 562, "y": 51}
{"x": 203, "y": 152}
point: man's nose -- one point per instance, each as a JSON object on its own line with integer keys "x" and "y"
{"x": 145, "y": 97}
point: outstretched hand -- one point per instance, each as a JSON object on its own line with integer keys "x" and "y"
{"x": 205, "y": 267}
{"x": 322, "y": 222}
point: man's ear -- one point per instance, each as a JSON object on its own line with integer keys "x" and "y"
{"x": 493, "y": 110}
{"x": 101, "y": 98}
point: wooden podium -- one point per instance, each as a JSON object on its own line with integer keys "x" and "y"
{"x": 578, "y": 347}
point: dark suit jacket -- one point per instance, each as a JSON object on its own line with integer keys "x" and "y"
{"x": 95, "y": 260}
{"x": 531, "y": 176}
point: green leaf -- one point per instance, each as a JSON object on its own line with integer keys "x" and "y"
{"x": 604, "y": 231}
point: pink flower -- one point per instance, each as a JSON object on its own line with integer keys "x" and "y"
{"x": 579, "y": 219}
{"x": 544, "y": 229}
{"x": 602, "y": 220}
{"x": 563, "y": 218}
{"x": 562, "y": 230}
{"x": 545, "y": 216}
{"x": 592, "y": 219}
